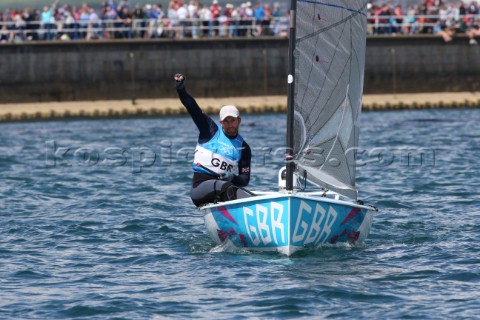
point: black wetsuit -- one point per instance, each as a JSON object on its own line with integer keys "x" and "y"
{"x": 208, "y": 188}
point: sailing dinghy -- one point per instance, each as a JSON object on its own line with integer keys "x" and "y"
{"x": 325, "y": 84}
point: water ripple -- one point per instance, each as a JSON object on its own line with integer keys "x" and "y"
{"x": 125, "y": 242}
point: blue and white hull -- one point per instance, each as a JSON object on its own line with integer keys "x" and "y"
{"x": 287, "y": 222}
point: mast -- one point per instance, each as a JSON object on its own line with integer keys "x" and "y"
{"x": 290, "y": 96}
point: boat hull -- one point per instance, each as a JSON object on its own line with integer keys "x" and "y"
{"x": 287, "y": 222}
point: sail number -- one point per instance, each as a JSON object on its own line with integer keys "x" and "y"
{"x": 266, "y": 223}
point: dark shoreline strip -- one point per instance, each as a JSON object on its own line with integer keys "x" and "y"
{"x": 169, "y": 111}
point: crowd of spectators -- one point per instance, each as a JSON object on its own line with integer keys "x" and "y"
{"x": 121, "y": 20}
{"x": 118, "y": 19}
{"x": 445, "y": 18}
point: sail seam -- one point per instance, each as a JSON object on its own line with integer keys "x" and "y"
{"x": 338, "y": 130}
{"x": 311, "y": 69}
{"x": 325, "y": 78}
{"x": 334, "y": 6}
{"x": 308, "y": 36}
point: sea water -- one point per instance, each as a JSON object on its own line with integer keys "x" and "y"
{"x": 96, "y": 223}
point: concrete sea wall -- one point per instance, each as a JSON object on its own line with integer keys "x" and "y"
{"x": 82, "y": 71}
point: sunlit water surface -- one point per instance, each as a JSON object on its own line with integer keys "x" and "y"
{"x": 96, "y": 223}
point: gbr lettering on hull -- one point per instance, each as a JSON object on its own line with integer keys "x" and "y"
{"x": 266, "y": 224}
{"x": 316, "y": 229}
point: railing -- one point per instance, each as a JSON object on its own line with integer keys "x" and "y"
{"x": 196, "y": 28}
{"x": 420, "y": 23}
{"x": 129, "y": 29}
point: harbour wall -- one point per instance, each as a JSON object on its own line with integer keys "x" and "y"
{"x": 116, "y": 70}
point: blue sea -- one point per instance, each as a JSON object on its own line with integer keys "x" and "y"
{"x": 96, "y": 223}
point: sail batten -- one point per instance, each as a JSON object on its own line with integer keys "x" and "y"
{"x": 329, "y": 64}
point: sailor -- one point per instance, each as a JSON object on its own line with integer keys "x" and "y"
{"x": 221, "y": 165}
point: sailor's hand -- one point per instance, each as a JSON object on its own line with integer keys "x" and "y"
{"x": 228, "y": 176}
{"x": 179, "y": 81}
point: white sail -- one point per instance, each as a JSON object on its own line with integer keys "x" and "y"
{"x": 329, "y": 70}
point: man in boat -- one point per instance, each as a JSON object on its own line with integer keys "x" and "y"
{"x": 221, "y": 165}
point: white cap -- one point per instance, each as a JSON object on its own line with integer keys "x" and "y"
{"x": 229, "y": 111}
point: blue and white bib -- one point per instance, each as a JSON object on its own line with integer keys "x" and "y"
{"x": 219, "y": 155}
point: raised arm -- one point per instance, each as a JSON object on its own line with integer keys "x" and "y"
{"x": 243, "y": 178}
{"x": 204, "y": 123}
